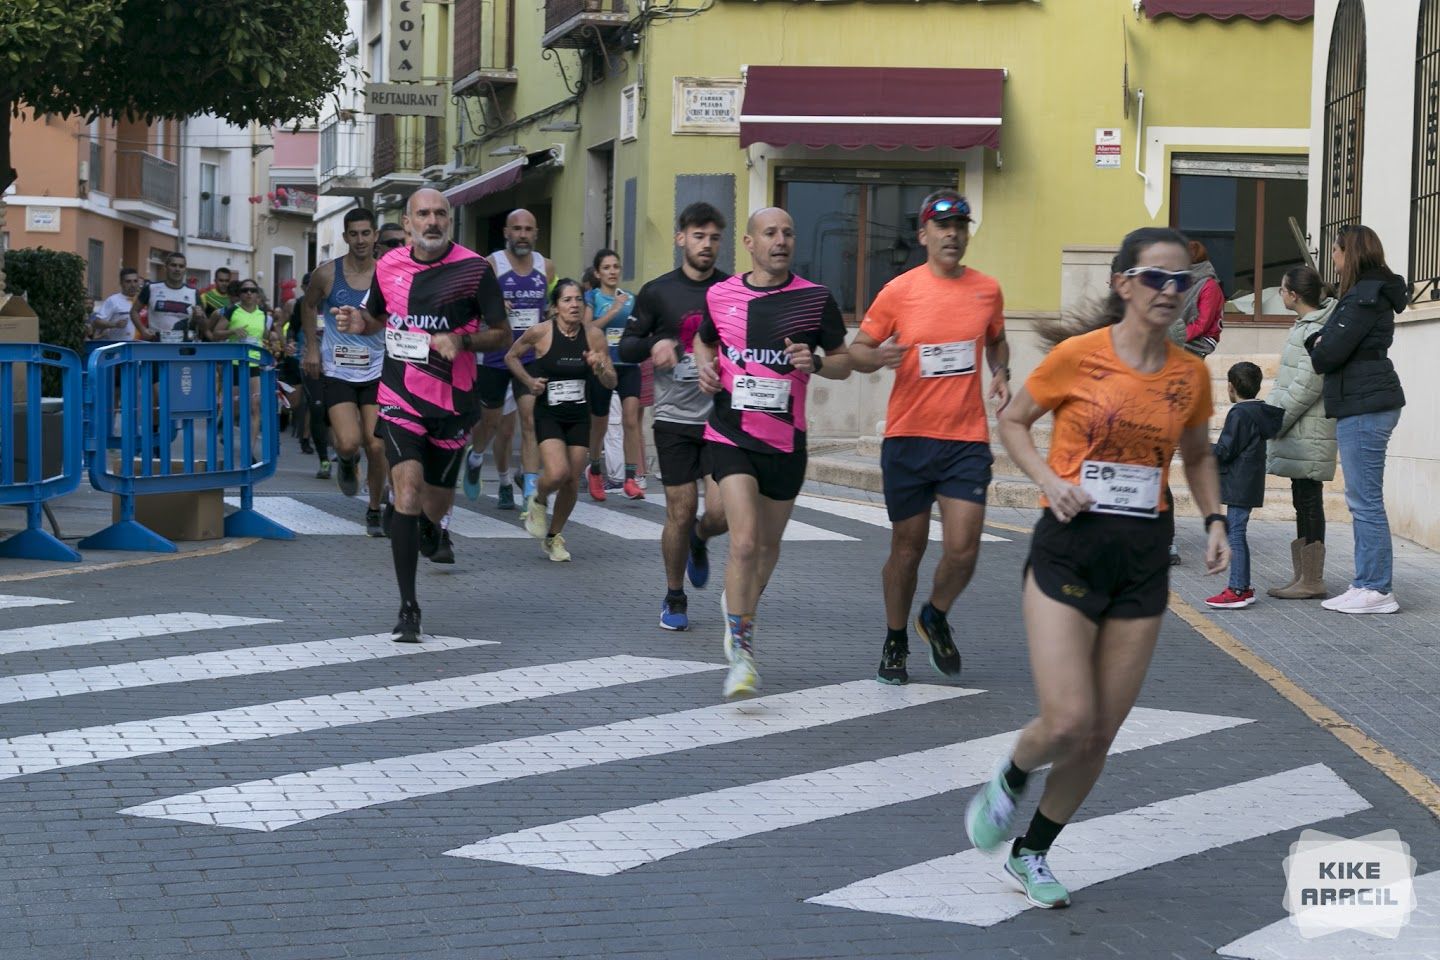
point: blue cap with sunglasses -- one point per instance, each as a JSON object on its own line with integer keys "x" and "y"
{"x": 945, "y": 206}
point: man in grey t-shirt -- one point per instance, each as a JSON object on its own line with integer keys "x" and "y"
{"x": 662, "y": 328}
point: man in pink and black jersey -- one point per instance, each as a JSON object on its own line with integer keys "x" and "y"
{"x": 438, "y": 304}
{"x": 756, "y": 352}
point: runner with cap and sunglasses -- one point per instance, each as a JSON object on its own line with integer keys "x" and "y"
{"x": 932, "y": 325}
{"x": 1097, "y": 579}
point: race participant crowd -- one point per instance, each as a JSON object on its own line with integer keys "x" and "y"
{"x": 420, "y": 355}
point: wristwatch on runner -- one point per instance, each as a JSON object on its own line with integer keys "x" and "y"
{"x": 1216, "y": 518}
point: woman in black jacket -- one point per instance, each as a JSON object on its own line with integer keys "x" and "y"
{"x": 1362, "y": 394}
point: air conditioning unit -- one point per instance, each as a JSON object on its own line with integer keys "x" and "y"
{"x": 558, "y": 152}
{"x": 387, "y": 199}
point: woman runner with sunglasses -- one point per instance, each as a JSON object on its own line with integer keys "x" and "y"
{"x": 1097, "y": 578}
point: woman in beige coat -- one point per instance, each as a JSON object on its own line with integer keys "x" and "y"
{"x": 1305, "y": 449}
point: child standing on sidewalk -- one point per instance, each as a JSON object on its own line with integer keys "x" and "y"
{"x": 1240, "y": 452}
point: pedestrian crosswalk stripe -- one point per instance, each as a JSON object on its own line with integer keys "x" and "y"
{"x": 303, "y": 518}
{"x": 215, "y": 664}
{"x": 79, "y": 633}
{"x": 140, "y": 738}
{"x": 612, "y": 842}
{"x": 971, "y": 887}
{"x": 477, "y": 526}
{"x": 1418, "y": 938}
{"x": 625, "y": 525}
{"x": 796, "y": 531}
{"x": 8, "y": 602}
{"x": 297, "y": 798}
{"x": 875, "y": 516}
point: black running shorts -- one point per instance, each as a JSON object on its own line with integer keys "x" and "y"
{"x": 1105, "y": 566}
{"x": 780, "y": 475}
{"x": 682, "y": 452}
{"x": 627, "y": 384}
{"x": 575, "y": 434}
{"x": 917, "y": 469}
{"x": 437, "y": 442}
{"x": 362, "y": 393}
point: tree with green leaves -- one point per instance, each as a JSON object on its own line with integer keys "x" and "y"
{"x": 270, "y": 61}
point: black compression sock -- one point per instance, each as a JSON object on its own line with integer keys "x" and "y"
{"x": 1039, "y": 837}
{"x": 897, "y": 635}
{"x": 405, "y": 548}
{"x": 1015, "y": 778}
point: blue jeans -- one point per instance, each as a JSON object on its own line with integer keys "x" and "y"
{"x": 1362, "y": 440}
{"x": 1237, "y": 519}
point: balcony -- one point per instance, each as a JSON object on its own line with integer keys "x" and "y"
{"x": 484, "y": 52}
{"x": 146, "y": 185}
{"x": 399, "y": 153}
{"x": 293, "y": 201}
{"x": 346, "y": 153}
{"x": 583, "y": 23}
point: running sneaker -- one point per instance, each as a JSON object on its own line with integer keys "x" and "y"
{"x": 990, "y": 816}
{"x": 306, "y": 446}
{"x": 642, "y": 483}
{"x": 892, "y": 662}
{"x": 596, "y": 483}
{"x": 674, "y": 614}
{"x": 373, "y": 527}
{"x": 1174, "y": 556}
{"x": 632, "y": 489}
{"x": 1231, "y": 599}
{"x": 349, "y": 479}
{"x": 470, "y": 478}
{"x": 1370, "y": 601}
{"x": 507, "y": 497}
{"x": 1335, "y": 603}
{"x": 535, "y": 520}
{"x": 445, "y": 550}
{"x": 407, "y": 630}
{"x": 429, "y": 537}
{"x": 555, "y": 548}
{"x": 743, "y": 680}
{"x": 935, "y": 630}
{"x": 697, "y": 567}
{"x": 1030, "y": 872}
{"x": 324, "y": 472}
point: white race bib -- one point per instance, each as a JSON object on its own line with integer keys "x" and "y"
{"x": 172, "y": 336}
{"x": 1126, "y": 489}
{"x": 565, "y": 391}
{"x": 613, "y": 335}
{"x": 523, "y": 318}
{"x": 947, "y": 359}
{"x": 685, "y": 370}
{"x": 760, "y": 394}
{"x": 352, "y": 356}
{"x": 407, "y": 345}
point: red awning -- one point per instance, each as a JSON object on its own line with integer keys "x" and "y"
{"x": 885, "y": 107}
{"x": 502, "y": 177}
{"x": 1226, "y": 9}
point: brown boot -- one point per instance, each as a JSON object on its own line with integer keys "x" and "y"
{"x": 1295, "y": 546}
{"x": 1311, "y": 585}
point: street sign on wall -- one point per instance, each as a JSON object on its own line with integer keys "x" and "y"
{"x": 405, "y": 99}
{"x": 406, "y": 22}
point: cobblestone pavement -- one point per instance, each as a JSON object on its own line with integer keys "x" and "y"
{"x": 223, "y": 756}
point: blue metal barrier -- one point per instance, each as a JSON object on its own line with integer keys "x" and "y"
{"x": 33, "y": 543}
{"x": 196, "y": 394}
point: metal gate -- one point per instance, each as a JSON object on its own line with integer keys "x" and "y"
{"x": 1425, "y": 181}
{"x": 1344, "y": 128}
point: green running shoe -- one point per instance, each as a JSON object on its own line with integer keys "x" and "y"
{"x": 1031, "y": 873}
{"x": 990, "y": 817}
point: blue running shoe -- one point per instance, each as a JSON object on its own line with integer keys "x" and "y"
{"x": 470, "y": 479}
{"x": 697, "y": 567}
{"x": 674, "y": 614}
{"x": 507, "y": 497}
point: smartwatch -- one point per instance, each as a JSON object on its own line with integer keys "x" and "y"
{"x": 818, "y": 360}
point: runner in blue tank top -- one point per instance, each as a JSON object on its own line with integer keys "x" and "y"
{"x": 350, "y": 363}
{"x": 525, "y": 279}
{"x": 608, "y": 309}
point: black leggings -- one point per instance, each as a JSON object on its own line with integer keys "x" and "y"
{"x": 1309, "y": 499}
{"x": 319, "y": 418}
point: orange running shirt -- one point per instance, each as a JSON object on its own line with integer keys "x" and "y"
{"x": 923, "y": 310}
{"x": 1105, "y": 410}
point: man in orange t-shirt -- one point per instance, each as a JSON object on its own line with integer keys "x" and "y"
{"x": 932, "y": 325}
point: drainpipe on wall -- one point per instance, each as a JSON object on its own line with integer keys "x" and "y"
{"x": 1140, "y": 134}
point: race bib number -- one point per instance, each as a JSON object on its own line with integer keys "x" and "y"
{"x": 172, "y": 336}
{"x": 947, "y": 359}
{"x": 565, "y": 391}
{"x": 523, "y": 318}
{"x": 1122, "y": 488}
{"x": 685, "y": 370}
{"x": 354, "y": 357}
{"x": 613, "y": 334}
{"x": 760, "y": 394}
{"x": 407, "y": 345}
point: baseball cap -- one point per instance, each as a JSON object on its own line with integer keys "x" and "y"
{"x": 944, "y": 205}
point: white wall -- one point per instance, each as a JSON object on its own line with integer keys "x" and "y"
{"x": 213, "y": 140}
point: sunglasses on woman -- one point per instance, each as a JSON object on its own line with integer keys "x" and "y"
{"x": 1158, "y": 279}
{"x": 249, "y": 290}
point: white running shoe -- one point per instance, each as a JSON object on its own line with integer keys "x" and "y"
{"x": 536, "y": 522}
{"x": 1335, "y": 603}
{"x": 743, "y": 680}
{"x": 1370, "y": 601}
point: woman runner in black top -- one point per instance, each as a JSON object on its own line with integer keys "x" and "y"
{"x": 565, "y": 353}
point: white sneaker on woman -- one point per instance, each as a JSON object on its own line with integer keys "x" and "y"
{"x": 1370, "y": 601}
{"x": 1335, "y": 603}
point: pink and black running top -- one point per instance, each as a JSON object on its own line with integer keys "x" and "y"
{"x": 751, "y": 325}
{"x": 453, "y": 294}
